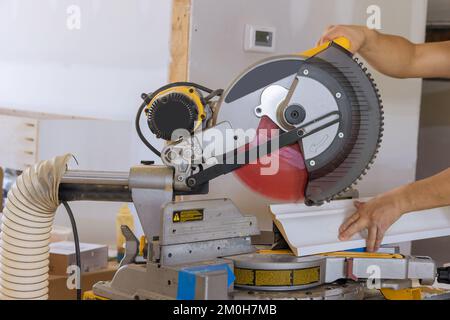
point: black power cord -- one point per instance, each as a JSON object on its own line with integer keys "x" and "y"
{"x": 149, "y": 97}
{"x": 215, "y": 93}
{"x": 77, "y": 245}
{"x": 139, "y": 131}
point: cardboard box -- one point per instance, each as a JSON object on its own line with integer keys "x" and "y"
{"x": 58, "y": 289}
{"x": 62, "y": 254}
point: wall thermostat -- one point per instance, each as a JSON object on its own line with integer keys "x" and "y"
{"x": 259, "y": 39}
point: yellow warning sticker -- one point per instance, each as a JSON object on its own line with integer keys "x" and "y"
{"x": 187, "y": 215}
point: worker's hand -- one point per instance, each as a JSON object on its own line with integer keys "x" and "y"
{"x": 376, "y": 215}
{"x": 358, "y": 35}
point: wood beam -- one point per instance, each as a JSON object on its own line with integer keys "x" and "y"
{"x": 179, "y": 45}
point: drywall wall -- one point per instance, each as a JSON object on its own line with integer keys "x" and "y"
{"x": 434, "y": 153}
{"x": 217, "y": 56}
{"x": 85, "y": 139}
{"x": 99, "y": 70}
{"x": 434, "y": 133}
{"x": 47, "y": 64}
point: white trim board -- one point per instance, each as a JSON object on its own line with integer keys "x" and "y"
{"x": 313, "y": 230}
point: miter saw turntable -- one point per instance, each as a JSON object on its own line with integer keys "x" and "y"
{"x": 292, "y": 128}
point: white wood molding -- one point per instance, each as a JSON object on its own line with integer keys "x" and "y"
{"x": 312, "y": 230}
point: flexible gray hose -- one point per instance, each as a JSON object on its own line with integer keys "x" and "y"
{"x": 25, "y": 231}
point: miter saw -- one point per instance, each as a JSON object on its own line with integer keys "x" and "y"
{"x": 293, "y": 128}
{"x": 320, "y": 112}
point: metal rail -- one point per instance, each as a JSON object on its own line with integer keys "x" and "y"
{"x": 79, "y": 185}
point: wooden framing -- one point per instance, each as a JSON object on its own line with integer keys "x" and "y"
{"x": 179, "y": 45}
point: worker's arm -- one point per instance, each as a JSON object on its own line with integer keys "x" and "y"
{"x": 378, "y": 214}
{"x": 393, "y": 55}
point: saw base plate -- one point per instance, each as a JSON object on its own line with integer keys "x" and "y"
{"x": 348, "y": 291}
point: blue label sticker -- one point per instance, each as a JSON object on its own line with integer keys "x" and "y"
{"x": 186, "y": 279}
{"x": 357, "y": 250}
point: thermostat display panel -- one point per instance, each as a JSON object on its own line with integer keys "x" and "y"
{"x": 259, "y": 39}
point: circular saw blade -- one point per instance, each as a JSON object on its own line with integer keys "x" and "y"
{"x": 281, "y": 175}
{"x": 341, "y": 154}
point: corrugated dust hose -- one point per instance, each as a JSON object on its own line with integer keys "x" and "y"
{"x": 25, "y": 231}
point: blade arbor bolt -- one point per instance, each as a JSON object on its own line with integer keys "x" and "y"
{"x": 294, "y": 114}
{"x": 191, "y": 182}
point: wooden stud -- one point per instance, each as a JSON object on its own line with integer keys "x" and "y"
{"x": 179, "y": 46}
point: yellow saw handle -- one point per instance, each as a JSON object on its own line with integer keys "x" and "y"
{"x": 343, "y": 42}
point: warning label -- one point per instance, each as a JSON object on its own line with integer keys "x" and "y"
{"x": 187, "y": 215}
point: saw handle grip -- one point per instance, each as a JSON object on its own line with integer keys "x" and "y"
{"x": 342, "y": 41}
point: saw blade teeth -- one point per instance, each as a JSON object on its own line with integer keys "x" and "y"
{"x": 380, "y": 135}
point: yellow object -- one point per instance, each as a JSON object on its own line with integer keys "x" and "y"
{"x": 187, "y": 215}
{"x": 191, "y": 93}
{"x": 375, "y": 255}
{"x": 402, "y": 294}
{"x": 343, "y": 42}
{"x": 270, "y": 251}
{"x": 90, "y": 295}
{"x": 142, "y": 245}
{"x": 417, "y": 293}
{"x": 275, "y": 278}
{"x": 245, "y": 277}
{"x": 344, "y": 254}
{"x": 124, "y": 217}
{"x": 306, "y": 276}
